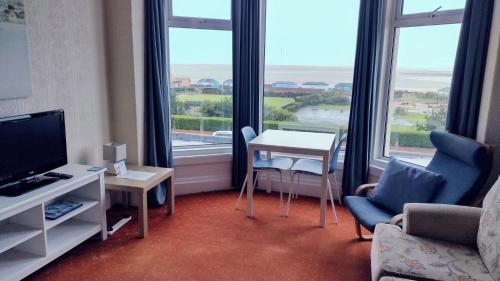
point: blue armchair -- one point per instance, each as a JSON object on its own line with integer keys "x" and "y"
{"x": 465, "y": 165}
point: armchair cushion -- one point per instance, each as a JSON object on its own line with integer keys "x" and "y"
{"x": 488, "y": 238}
{"x": 366, "y": 213}
{"x": 452, "y": 223}
{"x": 401, "y": 183}
{"x": 394, "y": 253}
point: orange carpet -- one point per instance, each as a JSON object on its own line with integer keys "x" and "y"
{"x": 206, "y": 239}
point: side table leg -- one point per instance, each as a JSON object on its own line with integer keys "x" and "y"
{"x": 170, "y": 195}
{"x": 143, "y": 215}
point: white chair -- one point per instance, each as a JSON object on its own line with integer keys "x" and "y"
{"x": 278, "y": 164}
{"x": 314, "y": 167}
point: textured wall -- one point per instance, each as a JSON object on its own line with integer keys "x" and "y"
{"x": 66, "y": 43}
{"x": 124, "y": 29}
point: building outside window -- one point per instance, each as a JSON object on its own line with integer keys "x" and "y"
{"x": 200, "y": 55}
{"x": 424, "y": 39}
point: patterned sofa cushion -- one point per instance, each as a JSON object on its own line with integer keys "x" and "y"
{"x": 405, "y": 256}
{"x": 488, "y": 238}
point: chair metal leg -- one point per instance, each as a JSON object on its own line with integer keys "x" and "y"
{"x": 281, "y": 193}
{"x": 333, "y": 203}
{"x": 337, "y": 187}
{"x": 290, "y": 194}
{"x": 298, "y": 186}
{"x": 361, "y": 237}
{"x": 241, "y": 193}
{"x": 243, "y": 189}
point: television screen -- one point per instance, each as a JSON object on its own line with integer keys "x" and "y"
{"x": 31, "y": 144}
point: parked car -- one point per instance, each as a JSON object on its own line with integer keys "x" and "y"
{"x": 223, "y": 134}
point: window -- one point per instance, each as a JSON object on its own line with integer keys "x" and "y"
{"x": 309, "y": 63}
{"x": 420, "y": 6}
{"x": 422, "y": 60}
{"x": 212, "y": 9}
{"x": 200, "y": 54}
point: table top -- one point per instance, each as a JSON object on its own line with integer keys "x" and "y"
{"x": 294, "y": 140}
{"x": 115, "y": 183}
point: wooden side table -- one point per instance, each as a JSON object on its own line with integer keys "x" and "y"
{"x": 141, "y": 188}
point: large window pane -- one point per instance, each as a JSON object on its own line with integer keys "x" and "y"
{"x": 201, "y": 86}
{"x": 212, "y": 9}
{"x": 310, "y": 50}
{"x": 418, "y": 104}
{"x": 425, "y": 6}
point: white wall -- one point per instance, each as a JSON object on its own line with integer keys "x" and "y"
{"x": 66, "y": 43}
{"x": 125, "y": 59}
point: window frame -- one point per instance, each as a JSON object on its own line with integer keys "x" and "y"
{"x": 394, "y": 19}
{"x": 197, "y": 22}
{"x": 204, "y": 24}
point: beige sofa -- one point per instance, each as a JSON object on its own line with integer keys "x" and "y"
{"x": 441, "y": 242}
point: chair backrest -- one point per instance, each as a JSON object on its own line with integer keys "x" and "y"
{"x": 464, "y": 163}
{"x": 335, "y": 157}
{"x": 249, "y": 134}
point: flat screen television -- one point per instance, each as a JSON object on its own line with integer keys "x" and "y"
{"x": 31, "y": 144}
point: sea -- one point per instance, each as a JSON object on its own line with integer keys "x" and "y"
{"x": 421, "y": 80}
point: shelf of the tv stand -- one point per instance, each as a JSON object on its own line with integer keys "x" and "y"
{"x": 13, "y": 234}
{"x": 87, "y": 204}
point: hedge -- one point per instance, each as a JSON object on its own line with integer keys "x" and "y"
{"x": 399, "y": 136}
{"x": 185, "y": 122}
{"x": 407, "y": 138}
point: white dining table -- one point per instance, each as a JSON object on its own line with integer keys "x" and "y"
{"x": 292, "y": 142}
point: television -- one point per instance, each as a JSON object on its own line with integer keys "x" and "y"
{"x": 30, "y": 145}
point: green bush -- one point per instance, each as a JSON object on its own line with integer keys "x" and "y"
{"x": 278, "y": 114}
{"x": 411, "y": 138}
{"x": 271, "y": 124}
{"x": 186, "y": 122}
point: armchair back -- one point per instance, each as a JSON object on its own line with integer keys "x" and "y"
{"x": 464, "y": 163}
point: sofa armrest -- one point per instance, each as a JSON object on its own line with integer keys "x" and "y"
{"x": 397, "y": 219}
{"x": 363, "y": 189}
{"x": 451, "y": 223}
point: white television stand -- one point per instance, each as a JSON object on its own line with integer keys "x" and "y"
{"x": 28, "y": 241}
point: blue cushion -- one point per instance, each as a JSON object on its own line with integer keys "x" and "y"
{"x": 464, "y": 163}
{"x": 366, "y": 213}
{"x": 461, "y": 148}
{"x": 401, "y": 183}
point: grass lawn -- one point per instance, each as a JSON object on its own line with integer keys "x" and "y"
{"x": 278, "y": 101}
{"x": 334, "y": 106}
{"x": 413, "y": 117}
{"x": 201, "y": 97}
{"x": 270, "y": 101}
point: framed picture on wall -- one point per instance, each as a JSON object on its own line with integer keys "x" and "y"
{"x": 15, "y": 79}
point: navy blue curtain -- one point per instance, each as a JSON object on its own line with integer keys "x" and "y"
{"x": 358, "y": 146}
{"x": 246, "y": 52}
{"x": 157, "y": 100}
{"x": 468, "y": 74}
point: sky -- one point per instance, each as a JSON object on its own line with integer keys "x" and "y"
{"x": 314, "y": 33}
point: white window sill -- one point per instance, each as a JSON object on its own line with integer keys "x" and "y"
{"x": 202, "y": 150}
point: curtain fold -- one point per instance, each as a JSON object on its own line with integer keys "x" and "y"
{"x": 246, "y": 53}
{"x": 359, "y": 136}
{"x": 468, "y": 72}
{"x": 157, "y": 100}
